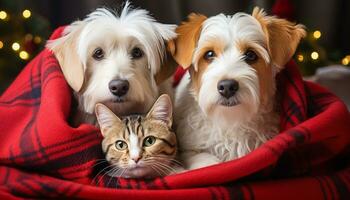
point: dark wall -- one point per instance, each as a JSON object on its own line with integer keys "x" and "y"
{"x": 329, "y": 16}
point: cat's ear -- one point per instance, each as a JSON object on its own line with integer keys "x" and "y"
{"x": 105, "y": 118}
{"x": 162, "y": 110}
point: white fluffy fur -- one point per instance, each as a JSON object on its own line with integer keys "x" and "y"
{"x": 208, "y": 132}
{"x": 117, "y": 34}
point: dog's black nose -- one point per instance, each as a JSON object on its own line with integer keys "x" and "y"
{"x": 119, "y": 87}
{"x": 227, "y": 88}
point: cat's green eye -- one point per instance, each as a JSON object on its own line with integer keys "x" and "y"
{"x": 149, "y": 141}
{"x": 121, "y": 145}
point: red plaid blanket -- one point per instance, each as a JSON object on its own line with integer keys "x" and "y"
{"x": 41, "y": 156}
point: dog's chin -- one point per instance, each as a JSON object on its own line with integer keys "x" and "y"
{"x": 229, "y": 112}
{"x": 228, "y": 102}
{"x": 123, "y": 106}
{"x": 119, "y": 100}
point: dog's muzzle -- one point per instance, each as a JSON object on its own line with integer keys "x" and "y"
{"x": 227, "y": 89}
{"x": 119, "y": 87}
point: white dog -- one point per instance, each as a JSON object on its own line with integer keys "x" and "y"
{"x": 225, "y": 105}
{"x": 114, "y": 59}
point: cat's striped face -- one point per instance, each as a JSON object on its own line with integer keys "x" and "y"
{"x": 139, "y": 146}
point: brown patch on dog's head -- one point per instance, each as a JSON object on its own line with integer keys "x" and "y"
{"x": 183, "y": 46}
{"x": 266, "y": 81}
{"x": 264, "y": 71}
{"x": 167, "y": 69}
{"x": 283, "y": 36}
{"x": 201, "y": 64}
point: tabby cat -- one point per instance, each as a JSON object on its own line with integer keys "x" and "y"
{"x": 139, "y": 146}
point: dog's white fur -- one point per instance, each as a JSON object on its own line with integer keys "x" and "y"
{"x": 117, "y": 34}
{"x": 209, "y": 132}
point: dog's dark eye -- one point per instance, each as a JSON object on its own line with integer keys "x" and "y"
{"x": 98, "y": 54}
{"x": 209, "y": 55}
{"x": 136, "y": 53}
{"x": 250, "y": 56}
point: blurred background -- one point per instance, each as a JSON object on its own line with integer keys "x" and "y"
{"x": 25, "y": 25}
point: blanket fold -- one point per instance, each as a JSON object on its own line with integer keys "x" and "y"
{"x": 42, "y": 156}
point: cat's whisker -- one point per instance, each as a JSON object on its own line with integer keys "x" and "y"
{"x": 164, "y": 168}
{"x": 155, "y": 169}
{"x": 160, "y": 170}
{"x": 169, "y": 159}
{"x": 113, "y": 174}
{"x": 121, "y": 175}
{"x": 101, "y": 178}
{"x": 173, "y": 169}
{"x": 153, "y": 164}
{"x": 100, "y": 173}
{"x": 170, "y": 169}
{"x": 100, "y": 162}
{"x": 173, "y": 162}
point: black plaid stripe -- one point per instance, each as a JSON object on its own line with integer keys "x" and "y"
{"x": 314, "y": 99}
{"x": 322, "y": 187}
{"x": 22, "y": 158}
{"x": 250, "y": 191}
{"x": 343, "y": 192}
{"x": 290, "y": 80}
{"x": 150, "y": 184}
{"x": 25, "y": 142}
{"x": 27, "y": 186}
{"x": 292, "y": 108}
{"x": 31, "y": 155}
{"x": 218, "y": 192}
{"x": 329, "y": 188}
{"x": 34, "y": 82}
{"x": 298, "y": 135}
{"x": 77, "y": 159}
{"x": 293, "y": 114}
{"x": 235, "y": 192}
{"x": 212, "y": 193}
{"x": 34, "y": 92}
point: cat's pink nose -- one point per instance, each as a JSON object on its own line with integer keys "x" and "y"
{"x": 136, "y": 159}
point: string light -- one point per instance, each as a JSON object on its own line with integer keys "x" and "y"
{"x": 15, "y": 46}
{"x": 28, "y": 37}
{"x": 1, "y": 44}
{"x": 314, "y": 55}
{"x": 317, "y": 34}
{"x": 300, "y": 58}
{"x": 346, "y": 60}
{"x": 23, "y": 55}
{"x": 3, "y": 15}
{"x": 26, "y": 13}
{"x": 37, "y": 39}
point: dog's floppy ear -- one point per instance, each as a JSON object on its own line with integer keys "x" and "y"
{"x": 167, "y": 69}
{"x": 187, "y": 36}
{"x": 283, "y": 36}
{"x": 65, "y": 50}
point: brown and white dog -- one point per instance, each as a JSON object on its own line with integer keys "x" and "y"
{"x": 225, "y": 106}
{"x": 115, "y": 59}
